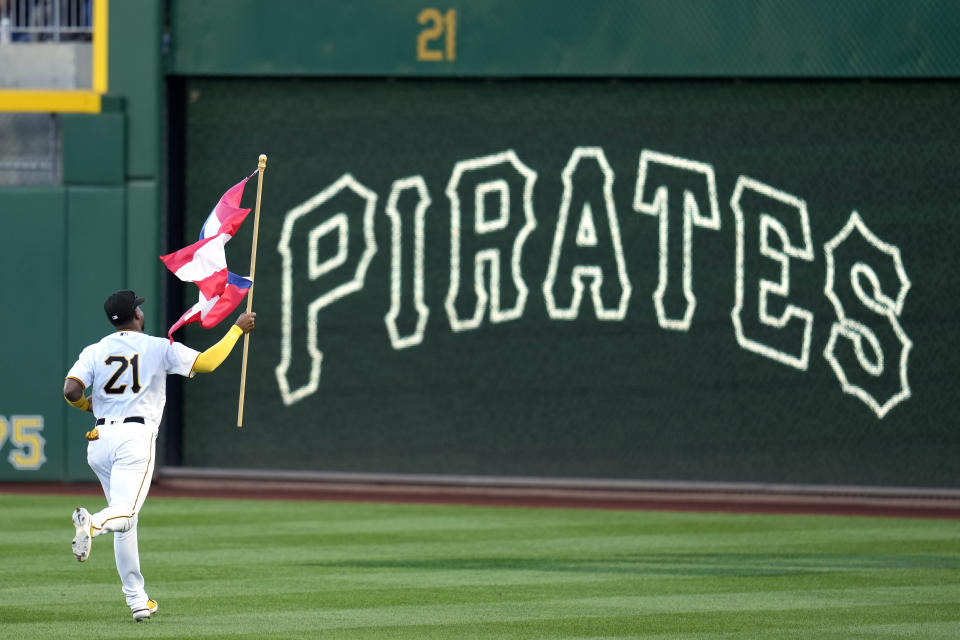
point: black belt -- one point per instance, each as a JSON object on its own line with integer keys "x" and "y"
{"x": 101, "y": 421}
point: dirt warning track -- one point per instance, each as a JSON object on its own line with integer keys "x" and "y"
{"x": 852, "y": 501}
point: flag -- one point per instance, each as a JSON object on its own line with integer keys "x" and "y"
{"x": 210, "y": 311}
{"x": 205, "y": 264}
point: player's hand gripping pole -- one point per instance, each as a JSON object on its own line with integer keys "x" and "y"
{"x": 253, "y": 267}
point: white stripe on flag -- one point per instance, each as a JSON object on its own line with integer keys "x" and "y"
{"x": 208, "y": 260}
{"x": 205, "y": 306}
{"x": 211, "y": 226}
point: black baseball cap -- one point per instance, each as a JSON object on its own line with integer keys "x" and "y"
{"x": 120, "y": 306}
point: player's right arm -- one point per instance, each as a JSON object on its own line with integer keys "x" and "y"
{"x": 73, "y": 394}
{"x": 76, "y": 381}
{"x": 215, "y": 355}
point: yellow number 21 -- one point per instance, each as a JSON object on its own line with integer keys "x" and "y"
{"x": 440, "y": 25}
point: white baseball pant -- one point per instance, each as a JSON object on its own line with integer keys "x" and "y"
{"x": 123, "y": 459}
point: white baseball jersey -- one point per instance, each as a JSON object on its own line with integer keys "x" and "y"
{"x": 127, "y": 373}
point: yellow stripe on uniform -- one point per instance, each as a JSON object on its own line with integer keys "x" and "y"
{"x": 139, "y": 491}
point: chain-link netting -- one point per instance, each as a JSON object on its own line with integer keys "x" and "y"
{"x": 29, "y": 149}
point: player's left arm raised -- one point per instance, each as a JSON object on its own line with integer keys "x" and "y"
{"x": 215, "y": 355}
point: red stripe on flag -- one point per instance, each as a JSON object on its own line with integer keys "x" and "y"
{"x": 212, "y": 285}
{"x": 192, "y": 315}
{"x": 183, "y": 256}
{"x": 231, "y": 297}
{"x": 228, "y": 211}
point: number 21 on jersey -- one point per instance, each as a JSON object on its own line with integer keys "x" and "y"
{"x": 122, "y": 363}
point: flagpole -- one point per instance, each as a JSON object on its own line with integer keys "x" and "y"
{"x": 261, "y": 165}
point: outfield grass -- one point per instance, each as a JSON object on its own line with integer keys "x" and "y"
{"x": 252, "y": 569}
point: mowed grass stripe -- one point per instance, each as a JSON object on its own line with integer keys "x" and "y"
{"x": 209, "y": 531}
{"x": 397, "y": 588}
{"x": 437, "y": 588}
{"x": 562, "y": 619}
{"x": 401, "y": 571}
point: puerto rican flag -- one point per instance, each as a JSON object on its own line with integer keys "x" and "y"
{"x": 205, "y": 263}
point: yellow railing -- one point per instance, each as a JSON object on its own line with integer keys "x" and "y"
{"x": 69, "y": 100}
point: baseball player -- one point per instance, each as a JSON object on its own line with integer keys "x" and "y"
{"x": 127, "y": 375}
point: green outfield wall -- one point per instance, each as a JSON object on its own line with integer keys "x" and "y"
{"x": 65, "y": 247}
{"x": 652, "y": 38}
{"x": 678, "y": 280}
{"x": 618, "y": 239}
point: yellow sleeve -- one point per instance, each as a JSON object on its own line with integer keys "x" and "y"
{"x": 83, "y": 403}
{"x": 212, "y": 357}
